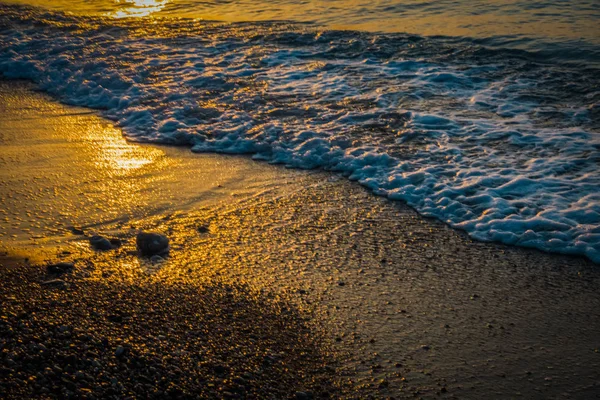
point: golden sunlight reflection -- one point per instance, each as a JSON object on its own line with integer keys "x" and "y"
{"x": 138, "y": 8}
{"x": 65, "y": 167}
{"x": 115, "y": 155}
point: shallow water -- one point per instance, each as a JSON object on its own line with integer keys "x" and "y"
{"x": 497, "y": 135}
{"x": 516, "y": 20}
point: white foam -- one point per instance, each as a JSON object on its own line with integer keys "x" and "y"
{"x": 457, "y": 141}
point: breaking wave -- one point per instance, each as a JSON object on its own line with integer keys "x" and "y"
{"x": 500, "y": 142}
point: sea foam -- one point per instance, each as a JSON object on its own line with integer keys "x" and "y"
{"x": 496, "y": 143}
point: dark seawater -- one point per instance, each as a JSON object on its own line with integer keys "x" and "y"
{"x": 490, "y": 122}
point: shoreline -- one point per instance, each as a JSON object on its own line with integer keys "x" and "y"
{"x": 411, "y": 306}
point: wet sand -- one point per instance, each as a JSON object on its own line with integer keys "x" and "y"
{"x": 411, "y": 307}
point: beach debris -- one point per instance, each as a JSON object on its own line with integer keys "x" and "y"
{"x": 152, "y": 243}
{"x": 60, "y": 268}
{"x": 100, "y": 243}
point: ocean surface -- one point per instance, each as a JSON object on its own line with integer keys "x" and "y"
{"x": 485, "y": 115}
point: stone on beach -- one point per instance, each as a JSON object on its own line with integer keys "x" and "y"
{"x": 152, "y": 243}
{"x": 60, "y": 268}
{"x": 100, "y": 243}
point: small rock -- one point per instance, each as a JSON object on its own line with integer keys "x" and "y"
{"x": 120, "y": 351}
{"x": 60, "y": 268}
{"x": 56, "y": 283}
{"x": 100, "y": 243}
{"x": 202, "y": 229}
{"x": 152, "y": 243}
{"x": 302, "y": 396}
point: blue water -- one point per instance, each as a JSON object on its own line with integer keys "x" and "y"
{"x": 496, "y": 135}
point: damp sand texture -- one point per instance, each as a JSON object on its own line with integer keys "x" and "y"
{"x": 409, "y": 306}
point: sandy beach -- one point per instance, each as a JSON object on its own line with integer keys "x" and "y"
{"x": 358, "y": 296}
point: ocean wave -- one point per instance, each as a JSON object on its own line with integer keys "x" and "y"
{"x": 501, "y": 143}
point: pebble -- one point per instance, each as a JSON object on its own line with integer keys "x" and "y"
{"x": 60, "y": 268}
{"x": 120, "y": 351}
{"x": 152, "y": 243}
{"x": 100, "y": 243}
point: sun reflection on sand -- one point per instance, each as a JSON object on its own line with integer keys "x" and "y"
{"x": 65, "y": 167}
{"x": 138, "y": 8}
{"x": 116, "y": 156}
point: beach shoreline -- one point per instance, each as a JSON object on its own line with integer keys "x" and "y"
{"x": 410, "y": 306}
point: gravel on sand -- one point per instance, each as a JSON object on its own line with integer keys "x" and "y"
{"x": 100, "y": 339}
